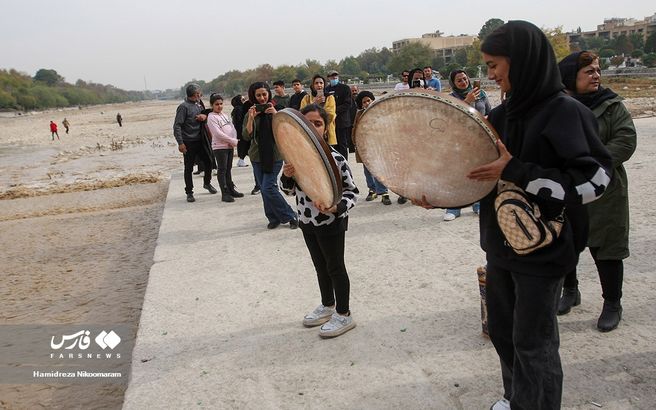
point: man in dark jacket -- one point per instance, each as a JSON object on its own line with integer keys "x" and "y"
{"x": 342, "y": 94}
{"x": 188, "y": 129}
{"x": 297, "y": 97}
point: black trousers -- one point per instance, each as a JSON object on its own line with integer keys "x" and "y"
{"x": 195, "y": 148}
{"x": 224, "y": 169}
{"x": 343, "y": 137}
{"x": 327, "y": 253}
{"x": 524, "y": 330}
{"x": 611, "y": 277}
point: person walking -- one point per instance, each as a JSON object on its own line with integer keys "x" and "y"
{"x": 53, "y": 130}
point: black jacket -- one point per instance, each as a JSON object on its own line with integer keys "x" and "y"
{"x": 342, "y": 93}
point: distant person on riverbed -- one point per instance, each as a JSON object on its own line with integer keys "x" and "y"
{"x": 53, "y": 130}
{"x": 119, "y": 119}
{"x": 66, "y": 125}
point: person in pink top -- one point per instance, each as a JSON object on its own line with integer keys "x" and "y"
{"x": 224, "y": 140}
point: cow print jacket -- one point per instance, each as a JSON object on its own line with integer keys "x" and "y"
{"x": 308, "y": 214}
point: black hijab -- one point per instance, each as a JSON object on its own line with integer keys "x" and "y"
{"x": 569, "y": 68}
{"x": 412, "y": 73}
{"x": 534, "y": 74}
{"x": 360, "y": 97}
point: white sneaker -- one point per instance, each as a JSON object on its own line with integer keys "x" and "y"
{"x": 449, "y": 216}
{"x": 319, "y": 316}
{"x": 337, "y": 325}
{"x": 241, "y": 163}
{"x": 502, "y": 404}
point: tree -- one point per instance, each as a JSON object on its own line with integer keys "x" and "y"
{"x": 637, "y": 40}
{"x": 411, "y": 56}
{"x": 351, "y": 66}
{"x": 650, "y": 43}
{"x": 489, "y": 26}
{"x": 595, "y": 43}
{"x": 637, "y": 53}
{"x": 622, "y": 44}
{"x": 460, "y": 57}
{"x": 559, "y": 41}
{"x": 49, "y": 77}
{"x": 7, "y": 100}
{"x": 649, "y": 60}
{"x": 606, "y": 52}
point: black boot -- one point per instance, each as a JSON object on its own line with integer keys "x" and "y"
{"x": 571, "y": 297}
{"x": 235, "y": 193}
{"x": 610, "y": 316}
{"x": 225, "y": 195}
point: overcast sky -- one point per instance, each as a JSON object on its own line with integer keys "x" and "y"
{"x": 121, "y": 42}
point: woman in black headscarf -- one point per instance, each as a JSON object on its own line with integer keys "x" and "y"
{"x": 264, "y": 155}
{"x": 549, "y": 147}
{"x": 608, "y": 238}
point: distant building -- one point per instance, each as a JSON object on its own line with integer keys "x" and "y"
{"x": 443, "y": 46}
{"x": 615, "y": 27}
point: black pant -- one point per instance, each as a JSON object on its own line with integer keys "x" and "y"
{"x": 327, "y": 252}
{"x": 242, "y": 148}
{"x": 611, "y": 276}
{"x": 343, "y": 135}
{"x": 224, "y": 169}
{"x": 524, "y": 330}
{"x": 195, "y": 148}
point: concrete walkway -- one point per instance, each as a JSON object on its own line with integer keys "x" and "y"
{"x": 221, "y": 322}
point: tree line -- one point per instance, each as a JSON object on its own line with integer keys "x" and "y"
{"x": 617, "y": 49}
{"x": 47, "y": 89}
{"x": 371, "y": 65}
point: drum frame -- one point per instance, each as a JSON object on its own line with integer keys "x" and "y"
{"x": 322, "y": 148}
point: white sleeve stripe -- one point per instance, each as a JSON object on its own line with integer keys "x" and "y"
{"x": 588, "y": 190}
{"x": 557, "y": 191}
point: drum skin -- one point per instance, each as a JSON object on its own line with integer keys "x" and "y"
{"x": 315, "y": 170}
{"x": 425, "y": 143}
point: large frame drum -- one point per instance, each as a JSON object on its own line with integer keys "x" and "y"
{"x": 424, "y": 143}
{"x": 315, "y": 168}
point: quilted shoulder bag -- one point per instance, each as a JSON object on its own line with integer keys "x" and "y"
{"x": 521, "y": 222}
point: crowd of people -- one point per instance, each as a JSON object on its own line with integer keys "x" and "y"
{"x": 563, "y": 140}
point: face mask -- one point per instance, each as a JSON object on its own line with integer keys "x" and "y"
{"x": 334, "y": 81}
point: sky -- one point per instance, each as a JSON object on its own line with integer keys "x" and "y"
{"x": 160, "y": 44}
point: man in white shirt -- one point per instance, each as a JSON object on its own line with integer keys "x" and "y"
{"x": 404, "y": 84}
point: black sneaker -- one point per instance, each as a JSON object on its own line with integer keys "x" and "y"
{"x": 293, "y": 224}
{"x": 402, "y": 200}
{"x": 371, "y": 196}
{"x": 190, "y": 198}
{"x": 386, "y": 200}
{"x": 255, "y": 191}
{"x": 273, "y": 225}
{"x": 210, "y": 188}
{"x": 227, "y": 198}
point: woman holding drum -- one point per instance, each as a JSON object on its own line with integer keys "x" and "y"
{"x": 549, "y": 147}
{"x": 324, "y": 227}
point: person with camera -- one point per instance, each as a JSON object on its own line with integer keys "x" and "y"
{"x": 325, "y": 101}
{"x": 463, "y": 90}
{"x": 265, "y": 157}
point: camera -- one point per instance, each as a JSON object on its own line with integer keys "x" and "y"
{"x": 261, "y": 107}
{"x": 417, "y": 84}
{"x": 477, "y": 83}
